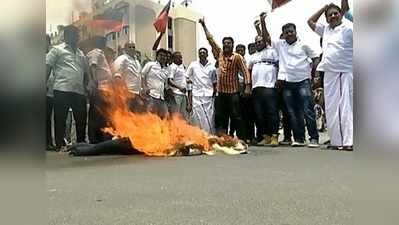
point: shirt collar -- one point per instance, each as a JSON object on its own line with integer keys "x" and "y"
{"x": 206, "y": 65}
{"x": 337, "y": 27}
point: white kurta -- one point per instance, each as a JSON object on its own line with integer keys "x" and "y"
{"x": 203, "y": 78}
{"x": 338, "y": 81}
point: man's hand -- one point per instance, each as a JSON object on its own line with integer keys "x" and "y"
{"x": 202, "y": 21}
{"x": 247, "y": 90}
{"x": 263, "y": 16}
{"x": 279, "y": 84}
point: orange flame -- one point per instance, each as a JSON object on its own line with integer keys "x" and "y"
{"x": 147, "y": 132}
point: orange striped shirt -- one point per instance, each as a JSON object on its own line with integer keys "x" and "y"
{"x": 229, "y": 68}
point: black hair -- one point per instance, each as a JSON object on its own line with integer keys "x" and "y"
{"x": 162, "y": 50}
{"x": 332, "y": 6}
{"x": 70, "y": 29}
{"x": 100, "y": 42}
{"x": 240, "y": 46}
{"x": 203, "y": 48}
{"x": 228, "y": 38}
{"x": 288, "y": 25}
{"x": 176, "y": 52}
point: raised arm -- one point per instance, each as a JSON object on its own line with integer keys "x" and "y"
{"x": 257, "y": 27}
{"x": 315, "y": 17}
{"x": 216, "y": 50}
{"x": 344, "y": 6}
{"x": 265, "y": 33}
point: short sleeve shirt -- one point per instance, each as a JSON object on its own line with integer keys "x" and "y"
{"x": 156, "y": 77}
{"x": 68, "y": 68}
{"x": 178, "y": 75}
{"x": 337, "y": 47}
{"x": 263, "y": 65}
{"x": 294, "y": 65}
{"x": 203, "y": 78}
{"x": 103, "y": 72}
{"x": 130, "y": 69}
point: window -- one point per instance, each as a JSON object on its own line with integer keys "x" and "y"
{"x": 170, "y": 23}
{"x": 170, "y": 34}
{"x": 170, "y": 43}
{"x": 119, "y": 34}
{"x": 113, "y": 35}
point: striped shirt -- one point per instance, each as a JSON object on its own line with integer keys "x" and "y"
{"x": 229, "y": 69}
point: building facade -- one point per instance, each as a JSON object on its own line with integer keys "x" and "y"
{"x": 138, "y": 19}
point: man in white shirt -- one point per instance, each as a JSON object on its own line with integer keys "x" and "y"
{"x": 177, "y": 81}
{"x": 100, "y": 75}
{"x": 128, "y": 69}
{"x": 70, "y": 69}
{"x": 155, "y": 75}
{"x": 201, "y": 92}
{"x": 294, "y": 73}
{"x": 337, "y": 64}
{"x": 263, "y": 68}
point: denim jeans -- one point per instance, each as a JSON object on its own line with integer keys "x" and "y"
{"x": 300, "y": 106}
{"x": 266, "y": 110}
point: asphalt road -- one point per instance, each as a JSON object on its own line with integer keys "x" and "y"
{"x": 269, "y": 186}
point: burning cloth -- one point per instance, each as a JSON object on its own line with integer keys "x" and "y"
{"x": 155, "y": 136}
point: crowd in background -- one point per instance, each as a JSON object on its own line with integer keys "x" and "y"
{"x": 251, "y": 96}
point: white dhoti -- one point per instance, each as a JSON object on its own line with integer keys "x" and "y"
{"x": 203, "y": 115}
{"x": 338, "y": 94}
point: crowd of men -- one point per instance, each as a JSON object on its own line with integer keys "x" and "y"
{"x": 248, "y": 96}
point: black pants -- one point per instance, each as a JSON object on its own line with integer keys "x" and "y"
{"x": 227, "y": 106}
{"x": 266, "y": 110}
{"x": 247, "y": 114}
{"x": 49, "y": 113}
{"x": 284, "y": 118}
{"x": 62, "y": 102}
{"x": 97, "y": 120}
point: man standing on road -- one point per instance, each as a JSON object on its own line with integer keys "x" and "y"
{"x": 294, "y": 73}
{"x": 230, "y": 64}
{"x": 202, "y": 92}
{"x": 71, "y": 74}
{"x": 100, "y": 75}
{"x": 337, "y": 66}
{"x": 177, "y": 81}
{"x": 155, "y": 76}
{"x": 263, "y": 67}
{"x": 128, "y": 69}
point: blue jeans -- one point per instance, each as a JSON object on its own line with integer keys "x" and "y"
{"x": 300, "y": 106}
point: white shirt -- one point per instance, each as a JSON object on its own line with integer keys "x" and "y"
{"x": 129, "y": 68}
{"x": 68, "y": 67}
{"x": 156, "y": 78}
{"x": 203, "y": 78}
{"x": 337, "y": 47}
{"x": 293, "y": 60}
{"x": 178, "y": 75}
{"x": 264, "y": 68}
{"x": 103, "y": 72}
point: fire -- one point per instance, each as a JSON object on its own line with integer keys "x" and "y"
{"x": 147, "y": 132}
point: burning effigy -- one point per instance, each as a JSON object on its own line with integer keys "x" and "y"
{"x": 155, "y": 136}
